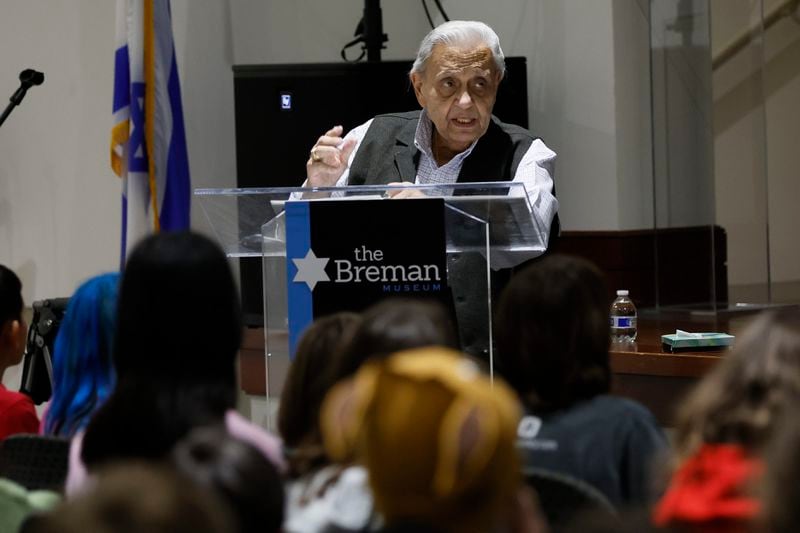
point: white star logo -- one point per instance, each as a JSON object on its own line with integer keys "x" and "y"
{"x": 311, "y": 269}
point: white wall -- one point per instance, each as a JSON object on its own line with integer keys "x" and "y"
{"x": 314, "y": 31}
{"x": 59, "y": 201}
{"x": 570, "y": 47}
{"x": 783, "y": 132}
{"x": 633, "y": 118}
{"x": 203, "y": 33}
{"x": 757, "y": 124}
{"x": 59, "y": 206}
{"x": 682, "y": 117}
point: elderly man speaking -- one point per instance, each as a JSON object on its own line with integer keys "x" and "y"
{"x": 453, "y": 139}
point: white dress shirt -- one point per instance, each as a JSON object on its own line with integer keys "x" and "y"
{"x": 535, "y": 170}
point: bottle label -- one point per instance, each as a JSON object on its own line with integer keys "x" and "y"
{"x": 623, "y": 321}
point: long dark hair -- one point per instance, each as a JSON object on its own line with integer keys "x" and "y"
{"x": 552, "y": 332}
{"x": 308, "y": 381}
{"x": 237, "y": 472}
{"x": 179, "y": 329}
{"x": 10, "y": 296}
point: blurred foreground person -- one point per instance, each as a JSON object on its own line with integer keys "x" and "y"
{"x": 307, "y": 383}
{"x": 17, "y": 413}
{"x": 83, "y": 369}
{"x": 238, "y": 473}
{"x": 137, "y": 498}
{"x": 335, "y": 493}
{"x": 553, "y": 338}
{"x": 780, "y": 490}
{"x": 392, "y": 325}
{"x": 179, "y": 329}
{"x": 437, "y": 439}
{"x": 724, "y": 424}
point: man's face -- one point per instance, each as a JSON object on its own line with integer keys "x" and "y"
{"x": 458, "y": 89}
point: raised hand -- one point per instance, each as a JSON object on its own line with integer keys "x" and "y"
{"x": 328, "y": 158}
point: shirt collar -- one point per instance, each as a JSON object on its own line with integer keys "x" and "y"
{"x": 424, "y": 134}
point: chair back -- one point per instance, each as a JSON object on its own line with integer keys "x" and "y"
{"x": 563, "y": 498}
{"x": 35, "y": 461}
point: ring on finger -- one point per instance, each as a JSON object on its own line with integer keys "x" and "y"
{"x": 315, "y": 156}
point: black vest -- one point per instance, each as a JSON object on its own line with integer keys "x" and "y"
{"x": 387, "y": 152}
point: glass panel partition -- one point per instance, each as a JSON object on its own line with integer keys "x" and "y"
{"x": 683, "y": 171}
{"x": 724, "y": 103}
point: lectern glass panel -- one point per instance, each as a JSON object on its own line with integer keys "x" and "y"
{"x": 483, "y": 227}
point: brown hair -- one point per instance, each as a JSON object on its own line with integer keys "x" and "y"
{"x": 392, "y": 325}
{"x": 307, "y": 382}
{"x": 238, "y": 473}
{"x": 780, "y": 490}
{"x": 552, "y": 333}
{"x": 138, "y": 498}
{"x": 174, "y": 349}
{"x": 740, "y": 399}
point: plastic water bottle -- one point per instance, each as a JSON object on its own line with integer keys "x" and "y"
{"x": 623, "y": 318}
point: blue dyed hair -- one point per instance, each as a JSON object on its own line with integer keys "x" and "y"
{"x": 83, "y": 371}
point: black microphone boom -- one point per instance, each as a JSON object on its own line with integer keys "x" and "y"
{"x": 373, "y": 30}
{"x": 27, "y": 79}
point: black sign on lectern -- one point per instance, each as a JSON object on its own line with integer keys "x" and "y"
{"x": 345, "y": 256}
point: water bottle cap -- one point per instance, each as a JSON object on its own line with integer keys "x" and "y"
{"x": 622, "y": 292}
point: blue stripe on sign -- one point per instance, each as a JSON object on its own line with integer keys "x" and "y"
{"x": 298, "y": 243}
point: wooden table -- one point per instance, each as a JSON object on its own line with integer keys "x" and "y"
{"x": 658, "y": 379}
{"x": 641, "y": 370}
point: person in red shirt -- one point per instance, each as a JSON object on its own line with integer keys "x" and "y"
{"x": 17, "y": 414}
{"x": 723, "y": 426}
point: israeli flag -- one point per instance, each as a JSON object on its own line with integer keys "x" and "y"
{"x": 148, "y": 141}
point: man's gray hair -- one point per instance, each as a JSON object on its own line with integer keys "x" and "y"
{"x": 460, "y": 33}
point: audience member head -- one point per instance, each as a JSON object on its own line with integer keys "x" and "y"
{"x": 179, "y": 313}
{"x": 83, "y": 372}
{"x": 13, "y": 329}
{"x": 306, "y": 385}
{"x": 178, "y": 332}
{"x": 740, "y": 399}
{"x": 724, "y": 423}
{"x": 237, "y": 472}
{"x": 552, "y": 333}
{"x": 437, "y": 438}
{"x": 780, "y": 490}
{"x": 392, "y": 325}
{"x": 135, "y": 498}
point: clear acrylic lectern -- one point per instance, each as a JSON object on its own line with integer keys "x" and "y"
{"x": 490, "y": 223}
